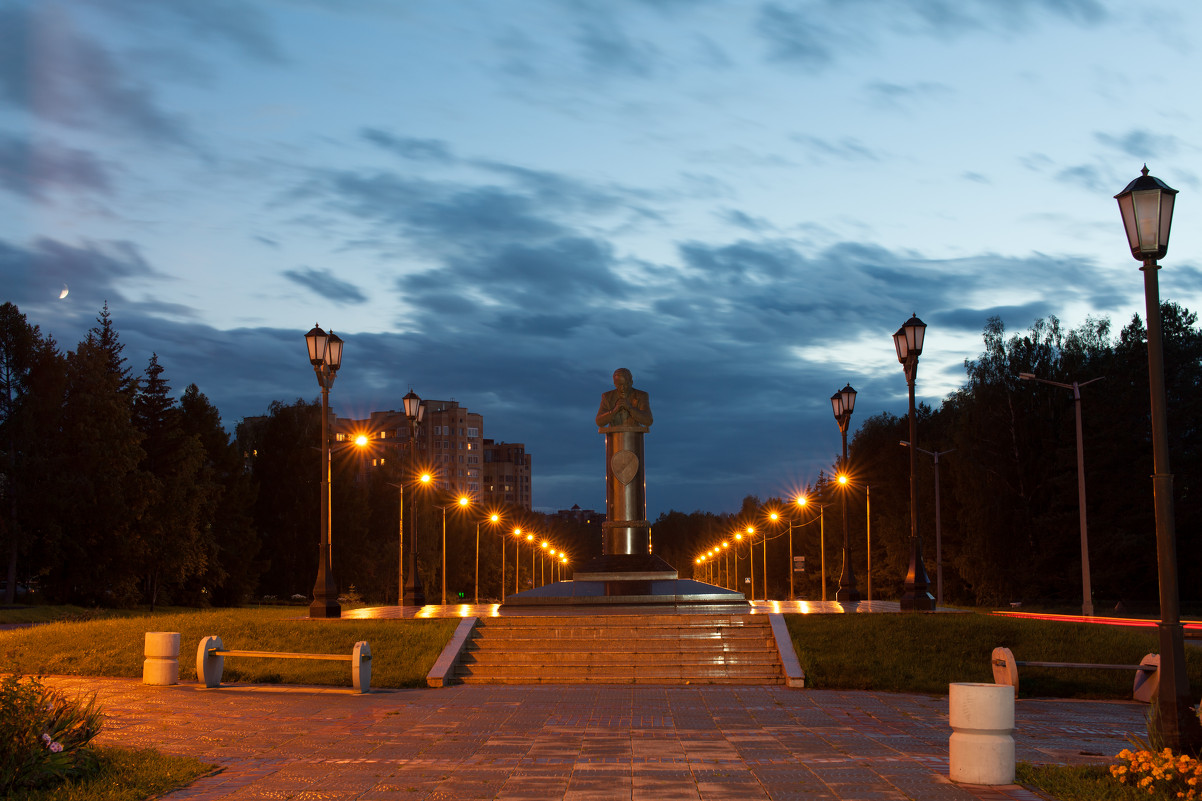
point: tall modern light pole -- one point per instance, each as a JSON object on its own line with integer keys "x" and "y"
{"x": 843, "y": 403}
{"x": 1086, "y": 588}
{"x": 939, "y": 527}
{"x": 325, "y": 354}
{"x": 413, "y": 594}
{"x": 462, "y": 502}
{"x": 493, "y": 518}
{"x": 907, "y": 342}
{"x": 1147, "y": 208}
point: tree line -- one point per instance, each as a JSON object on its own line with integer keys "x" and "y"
{"x": 1008, "y": 471}
{"x": 115, "y": 492}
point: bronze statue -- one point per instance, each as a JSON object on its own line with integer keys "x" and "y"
{"x": 624, "y": 417}
{"x": 624, "y": 405}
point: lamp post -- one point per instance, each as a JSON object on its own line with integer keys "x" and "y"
{"x": 413, "y": 593}
{"x": 533, "y": 555}
{"x": 843, "y": 403}
{"x": 939, "y": 529}
{"x": 1086, "y": 587}
{"x": 751, "y": 557}
{"x": 908, "y": 343}
{"x": 1146, "y": 205}
{"x": 804, "y": 501}
{"x": 726, "y": 558}
{"x": 738, "y": 536}
{"x": 494, "y": 518}
{"x": 800, "y": 501}
{"x": 542, "y": 566}
{"x": 325, "y": 354}
{"x": 463, "y": 501}
{"x": 517, "y": 553}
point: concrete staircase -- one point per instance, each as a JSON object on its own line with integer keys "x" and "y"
{"x": 622, "y": 649}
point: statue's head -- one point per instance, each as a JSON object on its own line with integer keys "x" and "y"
{"x": 622, "y": 378}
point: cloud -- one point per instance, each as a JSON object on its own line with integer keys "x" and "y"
{"x": 887, "y": 93}
{"x": 794, "y": 37}
{"x": 814, "y": 34}
{"x": 34, "y": 169}
{"x": 434, "y": 150}
{"x": 846, "y": 149}
{"x": 49, "y": 71}
{"x": 95, "y": 270}
{"x": 324, "y": 284}
{"x": 1085, "y": 176}
{"x": 607, "y": 49}
{"x": 1141, "y": 144}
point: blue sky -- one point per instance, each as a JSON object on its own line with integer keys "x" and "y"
{"x": 501, "y": 202}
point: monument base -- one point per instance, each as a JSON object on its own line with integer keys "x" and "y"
{"x": 655, "y": 593}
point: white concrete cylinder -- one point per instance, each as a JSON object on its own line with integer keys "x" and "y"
{"x": 161, "y": 666}
{"x": 981, "y": 748}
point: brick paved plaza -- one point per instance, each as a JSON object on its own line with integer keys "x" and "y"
{"x": 584, "y": 743}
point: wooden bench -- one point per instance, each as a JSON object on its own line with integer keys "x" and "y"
{"x": 1147, "y": 672}
{"x": 210, "y": 661}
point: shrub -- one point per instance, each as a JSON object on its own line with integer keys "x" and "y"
{"x": 44, "y": 735}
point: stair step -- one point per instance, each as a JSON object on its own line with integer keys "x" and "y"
{"x": 622, "y": 649}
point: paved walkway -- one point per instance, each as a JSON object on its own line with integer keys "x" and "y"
{"x": 581, "y": 743}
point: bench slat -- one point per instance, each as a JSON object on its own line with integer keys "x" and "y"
{"x": 282, "y": 655}
{"x": 1145, "y": 668}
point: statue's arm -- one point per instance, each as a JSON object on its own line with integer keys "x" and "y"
{"x": 641, "y": 411}
{"x": 604, "y": 413}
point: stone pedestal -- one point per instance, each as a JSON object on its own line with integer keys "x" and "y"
{"x": 626, "y": 530}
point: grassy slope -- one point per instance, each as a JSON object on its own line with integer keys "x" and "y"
{"x": 402, "y": 651}
{"x": 924, "y": 653}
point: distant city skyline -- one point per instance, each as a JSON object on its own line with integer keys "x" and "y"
{"x": 502, "y": 203}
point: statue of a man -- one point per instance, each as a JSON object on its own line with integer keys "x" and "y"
{"x": 624, "y": 405}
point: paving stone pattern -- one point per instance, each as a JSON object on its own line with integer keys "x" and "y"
{"x": 581, "y": 743}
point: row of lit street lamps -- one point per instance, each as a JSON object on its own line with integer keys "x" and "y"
{"x": 325, "y": 354}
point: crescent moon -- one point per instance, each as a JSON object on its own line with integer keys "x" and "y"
{"x": 63, "y": 294}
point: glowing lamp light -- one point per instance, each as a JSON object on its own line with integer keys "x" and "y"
{"x": 464, "y": 500}
{"x": 1147, "y": 208}
{"x": 907, "y": 341}
{"x": 361, "y": 440}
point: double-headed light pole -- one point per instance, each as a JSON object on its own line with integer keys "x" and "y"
{"x": 1086, "y": 589}
{"x": 843, "y": 403}
{"x": 1147, "y": 208}
{"x": 325, "y": 354}
{"x": 916, "y": 595}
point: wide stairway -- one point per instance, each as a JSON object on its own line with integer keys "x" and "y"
{"x": 622, "y": 649}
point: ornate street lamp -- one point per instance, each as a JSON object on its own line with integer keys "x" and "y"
{"x": 1147, "y": 208}
{"x": 325, "y": 354}
{"x": 915, "y": 594}
{"x": 843, "y": 403}
{"x": 413, "y": 594}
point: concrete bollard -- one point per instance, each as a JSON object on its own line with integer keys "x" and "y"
{"x": 161, "y": 666}
{"x": 981, "y": 748}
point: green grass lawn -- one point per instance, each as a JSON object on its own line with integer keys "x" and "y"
{"x": 925, "y": 653}
{"x": 403, "y": 651}
{"x": 125, "y": 775}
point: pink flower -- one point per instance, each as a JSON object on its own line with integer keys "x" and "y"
{"x": 56, "y": 747}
